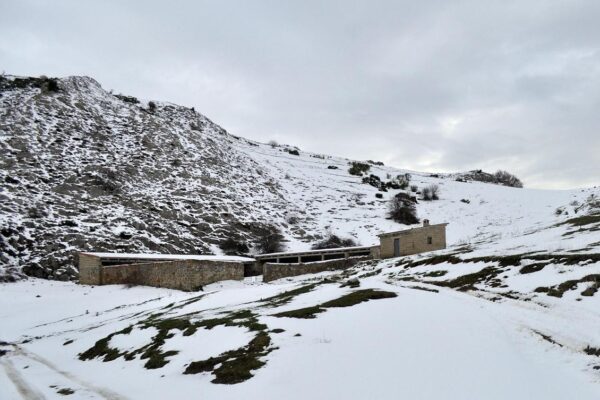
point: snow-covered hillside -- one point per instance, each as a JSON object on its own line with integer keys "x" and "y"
{"x": 509, "y": 310}
{"x": 83, "y": 169}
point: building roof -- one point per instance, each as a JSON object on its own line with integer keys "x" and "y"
{"x": 411, "y": 230}
{"x": 167, "y": 257}
{"x": 314, "y": 252}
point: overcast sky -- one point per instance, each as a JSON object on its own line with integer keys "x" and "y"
{"x": 424, "y": 85}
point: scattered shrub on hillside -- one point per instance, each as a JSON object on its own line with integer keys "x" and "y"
{"x": 45, "y": 84}
{"x": 333, "y": 241}
{"x": 293, "y": 152}
{"x": 50, "y": 85}
{"x": 414, "y": 188}
{"x": 374, "y": 181}
{"x": 431, "y": 192}
{"x": 358, "y": 168}
{"x": 273, "y": 143}
{"x": 507, "y": 179}
{"x": 332, "y": 167}
{"x": 127, "y": 99}
{"x": 292, "y": 218}
{"x": 402, "y": 209}
{"x": 152, "y": 106}
{"x": 270, "y": 240}
{"x": 234, "y": 247}
{"x": 399, "y": 182}
{"x": 375, "y": 162}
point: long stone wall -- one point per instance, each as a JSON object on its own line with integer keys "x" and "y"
{"x": 273, "y": 271}
{"x": 186, "y": 275}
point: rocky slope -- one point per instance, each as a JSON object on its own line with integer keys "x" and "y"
{"x": 84, "y": 169}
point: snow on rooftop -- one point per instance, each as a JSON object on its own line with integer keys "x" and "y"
{"x": 171, "y": 257}
{"x": 318, "y": 251}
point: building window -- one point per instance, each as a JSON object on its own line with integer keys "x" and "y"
{"x": 429, "y": 240}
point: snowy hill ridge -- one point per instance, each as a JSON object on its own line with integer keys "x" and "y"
{"x": 83, "y": 169}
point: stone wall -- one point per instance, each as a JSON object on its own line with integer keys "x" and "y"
{"x": 415, "y": 241}
{"x": 186, "y": 275}
{"x": 89, "y": 269}
{"x": 273, "y": 271}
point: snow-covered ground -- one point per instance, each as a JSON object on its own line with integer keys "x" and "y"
{"x": 429, "y": 342}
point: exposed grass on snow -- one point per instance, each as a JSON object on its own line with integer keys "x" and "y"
{"x": 287, "y": 296}
{"x": 348, "y": 300}
{"x": 583, "y": 220}
{"x": 560, "y": 289}
{"x": 235, "y": 366}
{"x": 468, "y": 281}
{"x": 152, "y": 352}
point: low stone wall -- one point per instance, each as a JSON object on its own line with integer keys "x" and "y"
{"x": 186, "y": 275}
{"x": 273, "y": 271}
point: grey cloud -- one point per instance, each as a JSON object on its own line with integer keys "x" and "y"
{"x": 420, "y": 85}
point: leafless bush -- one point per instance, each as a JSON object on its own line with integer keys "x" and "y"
{"x": 431, "y": 192}
{"x": 402, "y": 209}
{"x": 508, "y": 179}
{"x": 333, "y": 241}
{"x": 270, "y": 240}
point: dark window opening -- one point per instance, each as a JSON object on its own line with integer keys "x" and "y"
{"x": 310, "y": 258}
{"x": 289, "y": 260}
{"x": 429, "y": 240}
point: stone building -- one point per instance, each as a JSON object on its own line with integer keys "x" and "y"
{"x": 413, "y": 241}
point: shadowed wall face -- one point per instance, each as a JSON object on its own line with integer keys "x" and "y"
{"x": 273, "y": 271}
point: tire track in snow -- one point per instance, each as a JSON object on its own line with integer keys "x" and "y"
{"x": 102, "y": 392}
{"x": 26, "y": 391}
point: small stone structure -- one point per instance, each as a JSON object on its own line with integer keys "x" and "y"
{"x": 159, "y": 270}
{"x": 273, "y": 271}
{"x": 413, "y": 241}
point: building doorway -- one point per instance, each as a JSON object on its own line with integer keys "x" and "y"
{"x": 396, "y": 247}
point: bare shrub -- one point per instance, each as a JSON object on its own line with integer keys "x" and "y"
{"x": 507, "y": 179}
{"x": 431, "y": 192}
{"x": 273, "y": 143}
{"x": 234, "y": 247}
{"x": 402, "y": 209}
{"x": 414, "y": 188}
{"x": 270, "y": 240}
{"x": 358, "y": 168}
{"x": 333, "y": 241}
{"x": 292, "y": 218}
